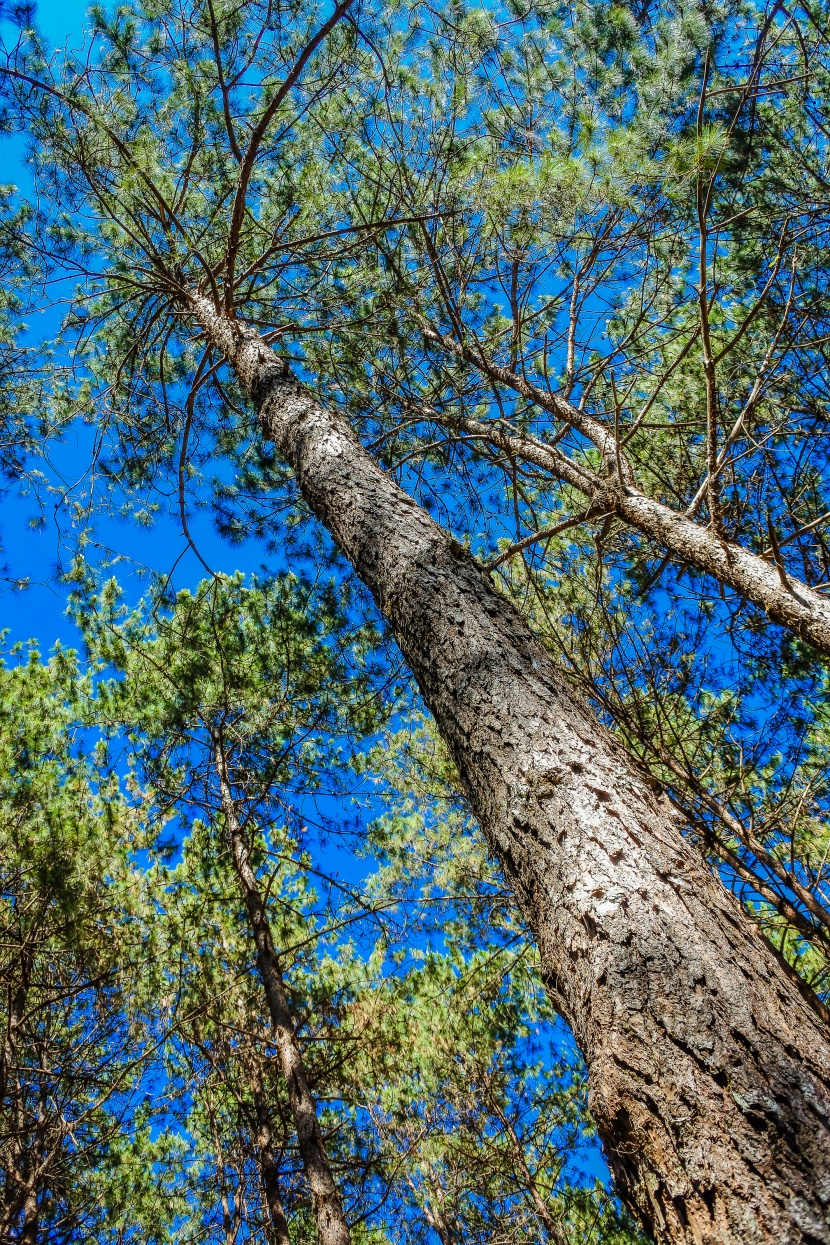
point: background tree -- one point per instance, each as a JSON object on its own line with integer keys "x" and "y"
{"x": 233, "y": 696}
{"x": 378, "y": 1022}
{"x": 79, "y": 1157}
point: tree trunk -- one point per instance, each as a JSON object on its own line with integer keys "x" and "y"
{"x": 709, "y": 1074}
{"x": 332, "y": 1228}
{"x": 525, "y": 1177}
{"x": 222, "y": 1176}
{"x": 277, "y": 1229}
{"x": 31, "y": 1209}
{"x": 18, "y": 1186}
{"x": 785, "y": 599}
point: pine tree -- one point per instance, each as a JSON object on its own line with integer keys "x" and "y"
{"x": 79, "y": 1157}
{"x": 388, "y": 1031}
{"x": 707, "y": 1112}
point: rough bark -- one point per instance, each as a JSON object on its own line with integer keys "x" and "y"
{"x": 709, "y": 1075}
{"x": 332, "y": 1228}
{"x": 19, "y": 1184}
{"x": 31, "y": 1216}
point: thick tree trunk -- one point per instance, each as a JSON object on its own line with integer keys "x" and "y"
{"x": 709, "y": 1074}
{"x": 332, "y": 1228}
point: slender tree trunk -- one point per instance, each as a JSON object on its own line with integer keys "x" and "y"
{"x": 332, "y": 1228}
{"x": 709, "y": 1073}
{"x": 277, "y": 1231}
{"x": 221, "y": 1172}
{"x": 29, "y": 1232}
{"x": 785, "y": 599}
{"x": 18, "y": 1188}
{"x": 31, "y": 1209}
{"x": 553, "y": 1229}
{"x": 433, "y": 1211}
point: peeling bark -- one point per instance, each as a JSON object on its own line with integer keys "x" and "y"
{"x": 709, "y": 1075}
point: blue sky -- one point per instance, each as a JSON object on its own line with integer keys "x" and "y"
{"x": 33, "y": 556}
{"x": 37, "y": 611}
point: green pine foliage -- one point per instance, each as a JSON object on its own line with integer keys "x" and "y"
{"x": 78, "y": 1056}
{"x": 550, "y": 186}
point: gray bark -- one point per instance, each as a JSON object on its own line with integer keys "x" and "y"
{"x": 785, "y": 599}
{"x": 709, "y": 1074}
